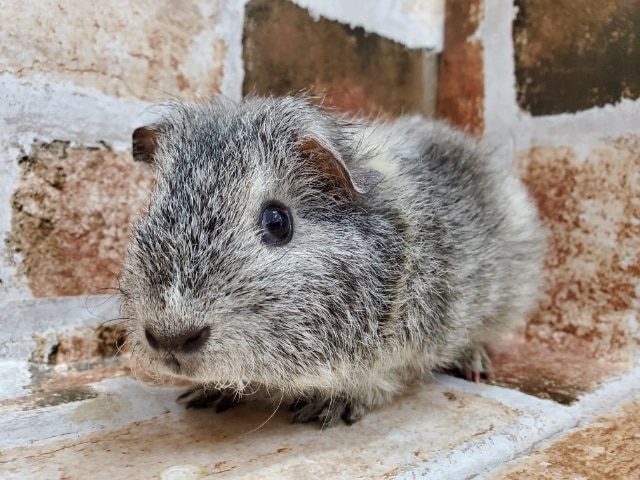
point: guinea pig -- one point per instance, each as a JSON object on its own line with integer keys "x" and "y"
{"x": 321, "y": 262}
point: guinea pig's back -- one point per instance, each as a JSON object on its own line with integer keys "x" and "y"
{"x": 474, "y": 239}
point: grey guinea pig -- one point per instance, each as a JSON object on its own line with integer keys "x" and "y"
{"x": 295, "y": 256}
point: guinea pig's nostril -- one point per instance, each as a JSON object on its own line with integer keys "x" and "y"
{"x": 196, "y": 341}
{"x": 153, "y": 342}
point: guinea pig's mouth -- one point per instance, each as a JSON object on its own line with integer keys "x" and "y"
{"x": 172, "y": 363}
{"x": 177, "y": 366}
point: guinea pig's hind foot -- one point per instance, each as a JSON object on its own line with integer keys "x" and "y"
{"x": 328, "y": 411}
{"x": 475, "y": 362}
{"x": 206, "y": 397}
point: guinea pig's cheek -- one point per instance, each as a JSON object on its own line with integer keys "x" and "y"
{"x": 138, "y": 345}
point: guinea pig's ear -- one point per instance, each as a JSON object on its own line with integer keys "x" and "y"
{"x": 145, "y": 143}
{"x": 326, "y": 158}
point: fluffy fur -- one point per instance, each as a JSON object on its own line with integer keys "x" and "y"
{"x": 374, "y": 288}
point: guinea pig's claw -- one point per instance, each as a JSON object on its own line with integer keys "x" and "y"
{"x": 328, "y": 412}
{"x": 202, "y": 397}
{"x": 474, "y": 362}
{"x": 227, "y": 401}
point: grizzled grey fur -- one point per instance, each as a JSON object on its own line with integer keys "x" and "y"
{"x": 411, "y": 250}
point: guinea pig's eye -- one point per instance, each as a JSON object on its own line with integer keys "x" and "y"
{"x": 276, "y": 225}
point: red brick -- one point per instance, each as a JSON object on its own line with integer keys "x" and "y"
{"x": 461, "y": 84}
{"x": 71, "y": 216}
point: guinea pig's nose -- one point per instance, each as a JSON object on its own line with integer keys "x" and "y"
{"x": 188, "y": 341}
{"x": 194, "y": 340}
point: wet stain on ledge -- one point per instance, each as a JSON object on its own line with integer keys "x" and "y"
{"x": 56, "y": 385}
{"x": 58, "y": 397}
{"x": 559, "y": 375}
{"x": 100, "y": 408}
{"x": 184, "y": 472}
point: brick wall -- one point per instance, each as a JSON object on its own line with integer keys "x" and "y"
{"x": 554, "y": 87}
{"x": 75, "y": 80}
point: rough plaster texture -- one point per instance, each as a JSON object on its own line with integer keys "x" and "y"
{"x": 591, "y": 207}
{"x": 286, "y": 50}
{"x": 105, "y": 341}
{"x": 142, "y": 50}
{"x": 71, "y": 215}
{"x": 37, "y": 110}
{"x": 33, "y": 319}
{"x": 10, "y": 283}
{"x": 588, "y": 197}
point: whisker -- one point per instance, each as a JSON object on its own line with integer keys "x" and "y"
{"x": 270, "y": 416}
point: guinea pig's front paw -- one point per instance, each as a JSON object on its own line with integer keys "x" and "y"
{"x": 328, "y": 411}
{"x": 205, "y": 397}
{"x": 475, "y": 362}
